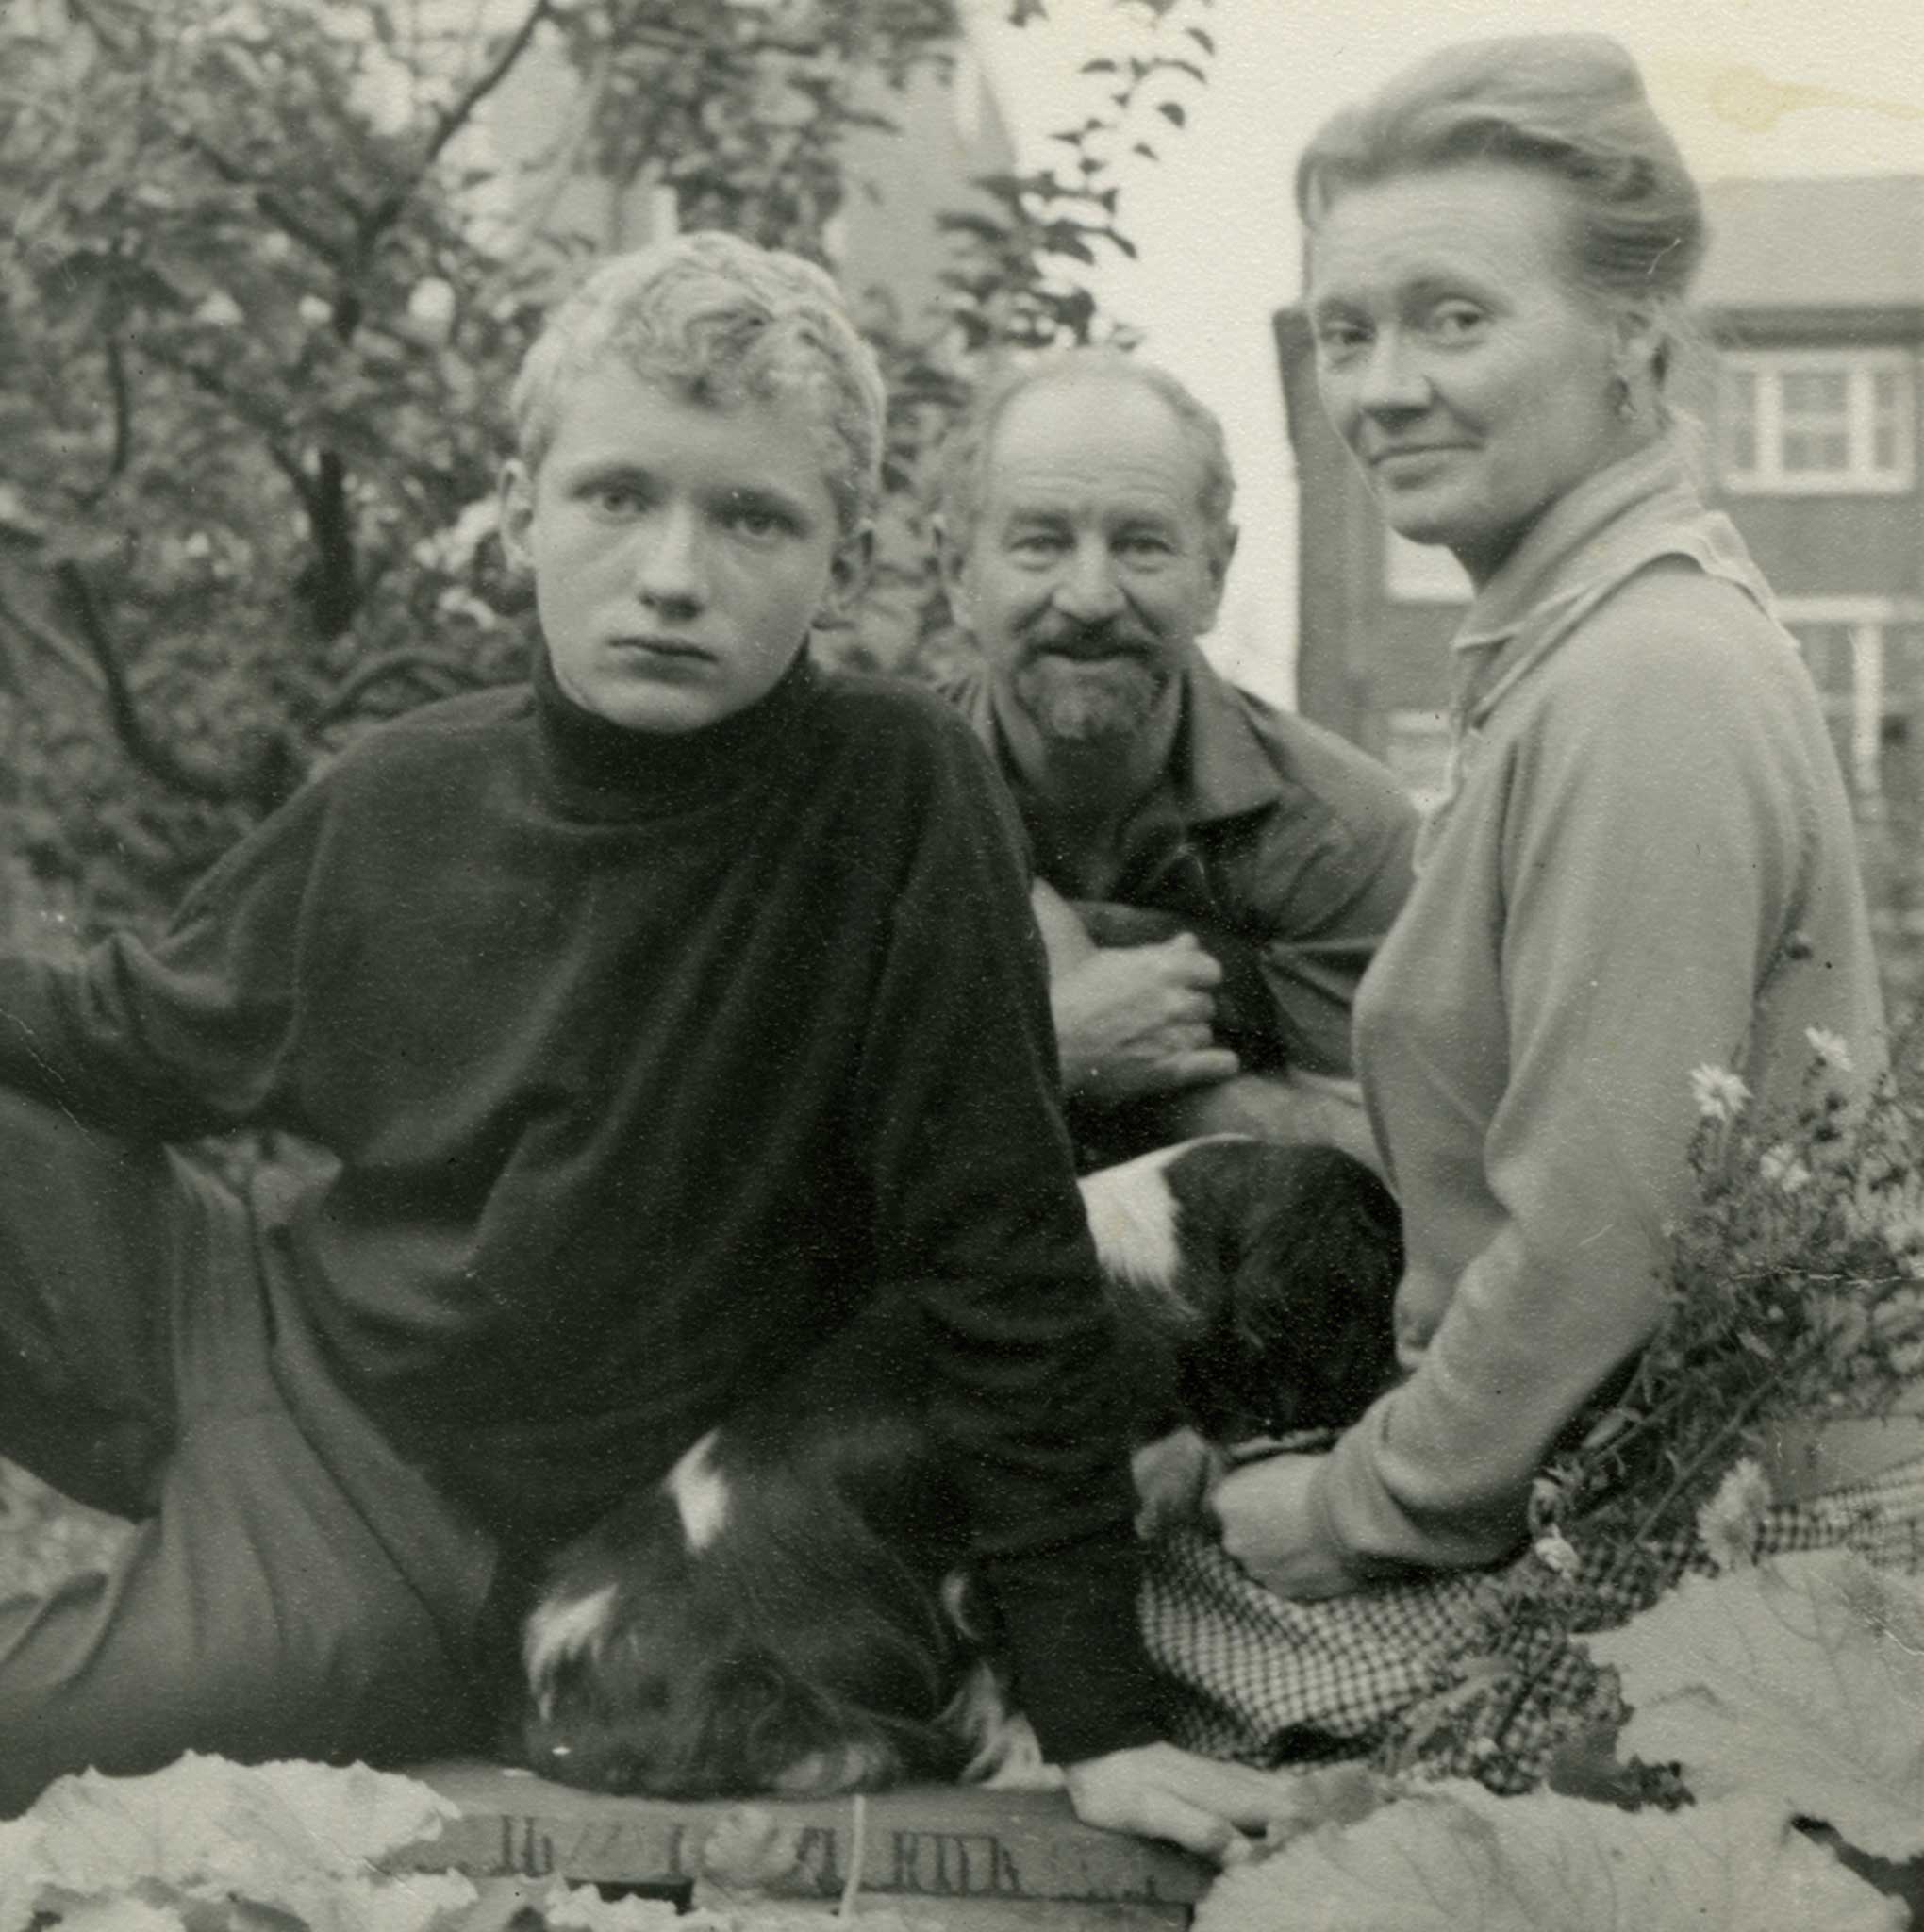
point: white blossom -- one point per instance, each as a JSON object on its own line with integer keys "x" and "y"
{"x": 1832, "y": 1049}
{"x": 1720, "y": 1094}
{"x": 1727, "y": 1525}
{"x": 219, "y": 310}
{"x": 453, "y": 549}
{"x": 431, "y": 304}
{"x": 1556, "y": 1552}
{"x": 1781, "y": 1165}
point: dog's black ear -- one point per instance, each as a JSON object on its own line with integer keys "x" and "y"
{"x": 1336, "y": 1326}
{"x": 1312, "y": 1332}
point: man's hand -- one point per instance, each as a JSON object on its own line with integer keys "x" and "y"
{"x": 1134, "y": 1021}
{"x": 1156, "y": 1790}
{"x": 1272, "y": 1527}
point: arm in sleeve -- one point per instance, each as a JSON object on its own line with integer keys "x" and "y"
{"x": 190, "y": 1035}
{"x": 1326, "y": 893}
{"x": 980, "y": 1217}
{"x": 1653, "y": 838}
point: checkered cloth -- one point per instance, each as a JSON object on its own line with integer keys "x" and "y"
{"x": 1265, "y": 1680}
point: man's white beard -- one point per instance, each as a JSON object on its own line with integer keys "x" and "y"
{"x": 1073, "y": 701}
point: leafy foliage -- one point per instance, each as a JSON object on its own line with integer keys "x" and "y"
{"x": 1455, "y": 1855}
{"x": 1788, "y": 1692}
{"x": 264, "y": 296}
{"x": 1802, "y": 1679}
{"x": 218, "y": 1847}
{"x": 1795, "y": 1292}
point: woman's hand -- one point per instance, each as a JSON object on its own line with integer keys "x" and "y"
{"x": 1273, "y": 1528}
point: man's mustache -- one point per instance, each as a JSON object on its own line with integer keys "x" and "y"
{"x": 1106, "y": 639}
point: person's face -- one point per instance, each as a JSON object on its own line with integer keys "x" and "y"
{"x": 1469, "y": 381}
{"x": 680, "y": 553}
{"x": 1091, "y": 570}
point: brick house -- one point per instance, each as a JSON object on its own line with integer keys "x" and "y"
{"x": 1813, "y": 302}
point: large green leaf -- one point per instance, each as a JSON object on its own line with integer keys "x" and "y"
{"x": 217, "y": 1843}
{"x": 1801, "y": 1678}
{"x": 1455, "y": 1859}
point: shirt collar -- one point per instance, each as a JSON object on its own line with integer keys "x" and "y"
{"x": 601, "y": 770}
{"x": 1590, "y": 542}
{"x": 1610, "y": 525}
{"x": 1221, "y": 768}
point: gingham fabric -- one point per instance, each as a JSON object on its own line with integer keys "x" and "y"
{"x": 1265, "y": 1680}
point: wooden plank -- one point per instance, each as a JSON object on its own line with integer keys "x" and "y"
{"x": 927, "y": 1842}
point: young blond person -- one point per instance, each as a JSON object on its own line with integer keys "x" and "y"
{"x": 646, "y": 1019}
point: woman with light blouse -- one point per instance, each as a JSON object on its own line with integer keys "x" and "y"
{"x": 1644, "y": 863}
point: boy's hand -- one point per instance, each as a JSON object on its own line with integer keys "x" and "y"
{"x": 1156, "y": 1790}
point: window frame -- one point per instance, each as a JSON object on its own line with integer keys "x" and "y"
{"x": 1862, "y": 477}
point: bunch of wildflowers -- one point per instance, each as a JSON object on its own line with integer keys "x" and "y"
{"x": 1794, "y": 1292}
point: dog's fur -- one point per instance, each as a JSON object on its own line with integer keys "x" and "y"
{"x": 787, "y": 1610}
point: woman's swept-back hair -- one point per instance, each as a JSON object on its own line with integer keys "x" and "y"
{"x": 717, "y": 321}
{"x": 1570, "y": 107}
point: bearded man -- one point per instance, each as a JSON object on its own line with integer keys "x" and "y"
{"x": 1211, "y": 876}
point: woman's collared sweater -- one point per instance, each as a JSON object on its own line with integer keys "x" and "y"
{"x": 1646, "y": 866}
{"x": 642, "y": 1060}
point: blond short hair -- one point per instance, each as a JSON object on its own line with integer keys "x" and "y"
{"x": 718, "y": 320}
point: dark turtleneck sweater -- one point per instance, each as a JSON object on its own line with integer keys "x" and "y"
{"x": 642, "y": 1060}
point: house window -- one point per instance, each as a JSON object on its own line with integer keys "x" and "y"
{"x": 1866, "y": 658}
{"x": 1817, "y": 422}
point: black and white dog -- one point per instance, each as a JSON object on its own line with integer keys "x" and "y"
{"x": 787, "y": 1610}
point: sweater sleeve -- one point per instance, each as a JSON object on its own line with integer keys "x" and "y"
{"x": 190, "y": 1035}
{"x": 980, "y": 1217}
{"x": 1654, "y": 828}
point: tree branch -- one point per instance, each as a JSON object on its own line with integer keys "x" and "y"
{"x": 154, "y": 758}
{"x": 453, "y": 117}
{"x": 256, "y": 417}
{"x": 563, "y": 167}
{"x": 281, "y": 213}
{"x": 62, "y": 650}
{"x": 123, "y": 426}
{"x": 329, "y": 585}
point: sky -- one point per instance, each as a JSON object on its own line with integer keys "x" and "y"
{"x": 1757, "y": 88}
